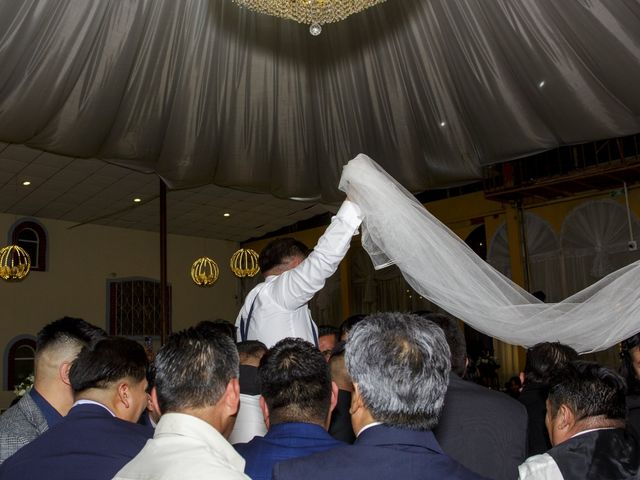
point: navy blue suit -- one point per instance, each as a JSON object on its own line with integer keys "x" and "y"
{"x": 379, "y": 453}
{"x": 89, "y": 443}
{"x": 283, "y": 441}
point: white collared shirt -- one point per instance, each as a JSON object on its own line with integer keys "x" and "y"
{"x": 280, "y": 309}
{"x": 92, "y": 402}
{"x": 367, "y": 427}
{"x": 184, "y": 446}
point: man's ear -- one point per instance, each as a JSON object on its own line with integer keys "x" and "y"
{"x": 124, "y": 396}
{"x": 356, "y": 400}
{"x": 564, "y": 419}
{"x": 265, "y": 411}
{"x": 63, "y": 372}
{"x": 154, "y": 400}
{"x": 232, "y": 396}
{"x": 334, "y": 396}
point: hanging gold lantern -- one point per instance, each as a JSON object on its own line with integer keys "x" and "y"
{"x": 244, "y": 263}
{"x": 14, "y": 263}
{"x": 204, "y": 272}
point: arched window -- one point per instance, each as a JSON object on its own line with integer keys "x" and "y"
{"x": 19, "y": 358}
{"x": 31, "y": 236}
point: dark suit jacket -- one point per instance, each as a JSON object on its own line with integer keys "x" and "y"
{"x": 534, "y": 398}
{"x": 484, "y": 430}
{"x": 600, "y": 454}
{"x": 379, "y": 453}
{"x": 89, "y": 443}
{"x": 340, "y": 427}
{"x": 283, "y": 441}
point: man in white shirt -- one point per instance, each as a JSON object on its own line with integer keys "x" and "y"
{"x": 277, "y": 308}
{"x": 586, "y": 425}
{"x": 197, "y": 393}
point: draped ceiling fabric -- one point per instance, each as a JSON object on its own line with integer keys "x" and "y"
{"x": 203, "y": 91}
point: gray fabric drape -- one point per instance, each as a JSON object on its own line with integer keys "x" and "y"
{"x": 203, "y": 91}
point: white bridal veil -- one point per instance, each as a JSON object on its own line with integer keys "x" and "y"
{"x": 398, "y": 230}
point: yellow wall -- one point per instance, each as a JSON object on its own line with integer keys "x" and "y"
{"x": 81, "y": 260}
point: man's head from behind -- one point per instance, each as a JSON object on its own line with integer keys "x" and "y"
{"x": 251, "y": 352}
{"x": 112, "y": 373}
{"x": 455, "y": 339}
{"x": 584, "y": 396}
{"x": 197, "y": 374}
{"x": 295, "y": 384}
{"x": 543, "y": 359}
{"x": 400, "y": 367}
{"x": 57, "y": 345}
{"x": 281, "y": 255}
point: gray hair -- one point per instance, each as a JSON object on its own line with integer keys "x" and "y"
{"x": 400, "y": 363}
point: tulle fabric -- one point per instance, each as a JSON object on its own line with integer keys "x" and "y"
{"x": 398, "y": 230}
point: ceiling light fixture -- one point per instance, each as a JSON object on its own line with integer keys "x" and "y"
{"x": 310, "y": 12}
{"x": 541, "y": 84}
{"x": 26, "y": 183}
{"x": 226, "y": 214}
{"x": 137, "y": 200}
{"x": 442, "y": 124}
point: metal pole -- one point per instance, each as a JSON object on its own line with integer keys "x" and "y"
{"x": 164, "y": 311}
{"x": 523, "y": 245}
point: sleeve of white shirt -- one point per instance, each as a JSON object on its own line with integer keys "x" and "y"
{"x": 296, "y": 287}
{"x": 539, "y": 467}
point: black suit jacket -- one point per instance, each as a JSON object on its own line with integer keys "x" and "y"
{"x": 484, "y": 430}
{"x": 340, "y": 427}
{"x": 534, "y": 398}
{"x": 89, "y": 443}
{"x": 379, "y": 453}
{"x": 600, "y": 454}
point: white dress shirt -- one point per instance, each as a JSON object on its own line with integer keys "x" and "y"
{"x": 280, "y": 309}
{"x": 185, "y": 447}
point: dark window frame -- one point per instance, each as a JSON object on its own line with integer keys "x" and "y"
{"x": 39, "y": 264}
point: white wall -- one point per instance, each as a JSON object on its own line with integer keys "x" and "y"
{"x": 80, "y": 260}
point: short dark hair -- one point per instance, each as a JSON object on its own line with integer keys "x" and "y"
{"x": 279, "y": 251}
{"x": 455, "y": 340}
{"x": 546, "y": 357}
{"x": 219, "y": 325}
{"x": 626, "y": 364}
{"x": 295, "y": 382}
{"x": 589, "y": 390}
{"x": 111, "y": 359}
{"x": 68, "y": 330}
{"x": 194, "y": 368}
{"x": 251, "y": 348}
{"x": 324, "y": 330}
{"x": 350, "y": 322}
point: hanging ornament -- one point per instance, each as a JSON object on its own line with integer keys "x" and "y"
{"x": 204, "y": 272}
{"x": 244, "y": 263}
{"x": 15, "y": 263}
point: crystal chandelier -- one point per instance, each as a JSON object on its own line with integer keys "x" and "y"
{"x": 311, "y": 12}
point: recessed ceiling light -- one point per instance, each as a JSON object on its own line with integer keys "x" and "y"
{"x": 226, "y": 214}
{"x": 541, "y": 84}
{"x": 137, "y": 200}
{"x": 26, "y": 183}
{"x": 442, "y": 124}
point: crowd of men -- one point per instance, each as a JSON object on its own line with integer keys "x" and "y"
{"x": 97, "y": 411}
{"x": 383, "y": 397}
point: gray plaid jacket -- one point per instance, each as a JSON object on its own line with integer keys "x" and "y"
{"x": 20, "y": 425}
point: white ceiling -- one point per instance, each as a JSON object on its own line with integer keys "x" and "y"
{"x": 92, "y": 191}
